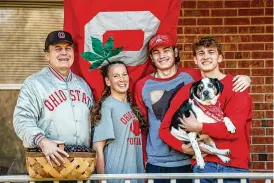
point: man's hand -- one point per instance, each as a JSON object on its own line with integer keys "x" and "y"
{"x": 241, "y": 82}
{"x": 187, "y": 149}
{"x": 190, "y": 124}
{"x": 52, "y": 151}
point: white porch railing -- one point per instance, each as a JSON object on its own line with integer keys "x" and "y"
{"x": 10, "y": 86}
{"x": 150, "y": 177}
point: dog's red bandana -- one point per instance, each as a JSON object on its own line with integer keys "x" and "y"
{"x": 213, "y": 111}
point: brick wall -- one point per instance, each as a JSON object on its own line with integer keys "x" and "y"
{"x": 245, "y": 28}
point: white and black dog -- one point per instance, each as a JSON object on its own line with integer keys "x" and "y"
{"x": 204, "y": 104}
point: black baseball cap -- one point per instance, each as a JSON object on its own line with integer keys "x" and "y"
{"x": 56, "y": 37}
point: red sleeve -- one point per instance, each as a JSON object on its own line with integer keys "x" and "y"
{"x": 175, "y": 103}
{"x": 138, "y": 98}
{"x": 140, "y": 103}
{"x": 239, "y": 111}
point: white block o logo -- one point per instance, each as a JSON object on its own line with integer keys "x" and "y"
{"x": 128, "y": 20}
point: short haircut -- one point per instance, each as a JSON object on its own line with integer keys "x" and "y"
{"x": 207, "y": 42}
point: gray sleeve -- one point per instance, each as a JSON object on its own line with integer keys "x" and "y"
{"x": 26, "y": 114}
{"x": 104, "y": 130}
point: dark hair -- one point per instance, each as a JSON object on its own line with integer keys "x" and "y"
{"x": 96, "y": 109}
{"x": 207, "y": 42}
{"x": 177, "y": 59}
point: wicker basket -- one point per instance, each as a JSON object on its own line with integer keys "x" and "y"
{"x": 79, "y": 165}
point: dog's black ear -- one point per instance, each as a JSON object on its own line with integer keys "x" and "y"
{"x": 220, "y": 86}
{"x": 193, "y": 90}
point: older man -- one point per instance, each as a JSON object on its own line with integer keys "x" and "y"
{"x": 53, "y": 104}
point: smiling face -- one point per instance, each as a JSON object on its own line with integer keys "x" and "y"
{"x": 117, "y": 80}
{"x": 163, "y": 57}
{"x": 61, "y": 57}
{"x": 208, "y": 59}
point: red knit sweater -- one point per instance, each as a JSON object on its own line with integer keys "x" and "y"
{"x": 237, "y": 106}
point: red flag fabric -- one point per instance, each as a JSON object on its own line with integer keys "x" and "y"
{"x": 130, "y": 23}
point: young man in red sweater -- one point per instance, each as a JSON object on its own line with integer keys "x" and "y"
{"x": 236, "y": 105}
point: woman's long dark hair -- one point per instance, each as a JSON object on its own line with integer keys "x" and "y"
{"x": 96, "y": 109}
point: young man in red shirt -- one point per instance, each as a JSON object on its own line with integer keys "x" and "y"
{"x": 153, "y": 94}
{"x": 237, "y": 106}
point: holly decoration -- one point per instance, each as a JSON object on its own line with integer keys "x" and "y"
{"x": 101, "y": 52}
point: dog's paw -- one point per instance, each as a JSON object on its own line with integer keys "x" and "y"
{"x": 224, "y": 159}
{"x": 226, "y": 152}
{"x": 200, "y": 163}
{"x": 232, "y": 130}
{"x": 202, "y": 166}
{"x": 223, "y": 152}
{"x": 227, "y": 160}
{"x": 229, "y": 125}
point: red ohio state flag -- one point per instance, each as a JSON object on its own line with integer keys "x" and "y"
{"x": 130, "y": 23}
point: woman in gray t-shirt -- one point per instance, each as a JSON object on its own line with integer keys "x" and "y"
{"x": 117, "y": 134}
